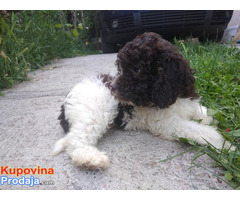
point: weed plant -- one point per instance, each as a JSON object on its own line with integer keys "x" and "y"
{"x": 31, "y": 39}
{"x": 218, "y": 83}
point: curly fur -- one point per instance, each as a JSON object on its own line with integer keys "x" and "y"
{"x": 153, "y": 90}
{"x": 163, "y": 72}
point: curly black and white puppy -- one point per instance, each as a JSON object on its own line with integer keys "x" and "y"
{"x": 153, "y": 90}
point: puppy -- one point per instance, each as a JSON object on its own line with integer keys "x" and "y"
{"x": 153, "y": 90}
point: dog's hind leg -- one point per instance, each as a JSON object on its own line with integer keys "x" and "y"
{"x": 81, "y": 146}
{"x": 88, "y": 111}
{"x": 200, "y": 133}
{"x": 89, "y": 157}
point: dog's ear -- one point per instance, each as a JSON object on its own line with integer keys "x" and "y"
{"x": 174, "y": 80}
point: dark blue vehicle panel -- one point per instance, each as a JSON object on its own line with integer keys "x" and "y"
{"x": 118, "y": 27}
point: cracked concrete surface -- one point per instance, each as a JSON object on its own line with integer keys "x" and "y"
{"x": 29, "y": 128}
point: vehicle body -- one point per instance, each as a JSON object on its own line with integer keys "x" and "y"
{"x": 121, "y": 26}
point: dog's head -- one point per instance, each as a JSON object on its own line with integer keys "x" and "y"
{"x": 152, "y": 72}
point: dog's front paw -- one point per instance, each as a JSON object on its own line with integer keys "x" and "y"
{"x": 213, "y": 138}
{"x": 90, "y": 158}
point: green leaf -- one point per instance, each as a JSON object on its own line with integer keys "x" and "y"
{"x": 75, "y": 33}
{"x": 68, "y": 34}
{"x": 80, "y": 26}
{"x": 183, "y": 140}
{"x": 228, "y": 176}
{"x": 186, "y": 141}
{"x": 59, "y": 25}
{"x": 235, "y": 133}
{"x": 221, "y": 118}
{"x": 211, "y": 112}
{"x": 28, "y": 25}
{"x": 199, "y": 120}
{"x": 228, "y": 78}
{"x": 207, "y": 76}
{"x": 69, "y": 25}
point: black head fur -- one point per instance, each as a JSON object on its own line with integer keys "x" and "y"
{"x": 152, "y": 72}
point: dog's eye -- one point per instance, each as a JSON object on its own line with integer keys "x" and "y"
{"x": 136, "y": 69}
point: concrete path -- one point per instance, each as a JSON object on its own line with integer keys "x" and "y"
{"x": 29, "y": 128}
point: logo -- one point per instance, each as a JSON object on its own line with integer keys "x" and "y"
{"x": 23, "y": 180}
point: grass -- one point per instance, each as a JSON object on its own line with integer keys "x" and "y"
{"x": 32, "y": 39}
{"x": 218, "y": 83}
